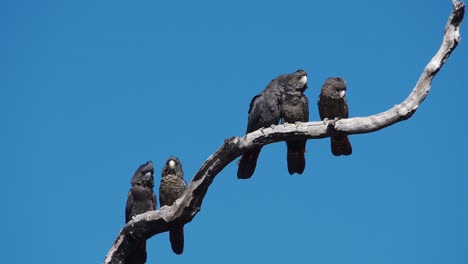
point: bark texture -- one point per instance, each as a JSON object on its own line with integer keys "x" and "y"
{"x": 185, "y": 208}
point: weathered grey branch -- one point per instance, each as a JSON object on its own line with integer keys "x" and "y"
{"x": 184, "y": 210}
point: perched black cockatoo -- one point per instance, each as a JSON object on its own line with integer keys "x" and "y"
{"x": 141, "y": 198}
{"x": 332, "y": 104}
{"x": 171, "y": 188}
{"x": 295, "y": 108}
{"x": 264, "y": 111}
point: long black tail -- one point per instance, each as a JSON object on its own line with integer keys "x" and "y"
{"x": 247, "y": 164}
{"x": 340, "y": 145}
{"x": 138, "y": 256}
{"x": 296, "y": 156}
{"x": 176, "y": 236}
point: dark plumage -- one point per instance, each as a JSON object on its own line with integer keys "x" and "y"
{"x": 171, "y": 188}
{"x": 332, "y": 104}
{"x": 264, "y": 111}
{"x": 295, "y": 108}
{"x": 141, "y": 198}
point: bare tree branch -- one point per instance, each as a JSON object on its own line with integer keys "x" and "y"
{"x": 185, "y": 208}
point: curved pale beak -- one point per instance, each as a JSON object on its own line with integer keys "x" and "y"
{"x": 342, "y": 93}
{"x": 172, "y": 164}
{"x": 303, "y": 80}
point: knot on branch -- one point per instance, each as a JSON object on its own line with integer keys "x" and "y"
{"x": 407, "y": 115}
{"x": 232, "y": 144}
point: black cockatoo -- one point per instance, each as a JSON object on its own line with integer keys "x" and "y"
{"x": 295, "y": 108}
{"x": 264, "y": 111}
{"x": 332, "y": 104}
{"x": 141, "y": 198}
{"x": 171, "y": 188}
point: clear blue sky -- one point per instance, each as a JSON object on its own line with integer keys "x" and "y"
{"x": 90, "y": 90}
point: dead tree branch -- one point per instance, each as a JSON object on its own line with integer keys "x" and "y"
{"x": 184, "y": 210}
